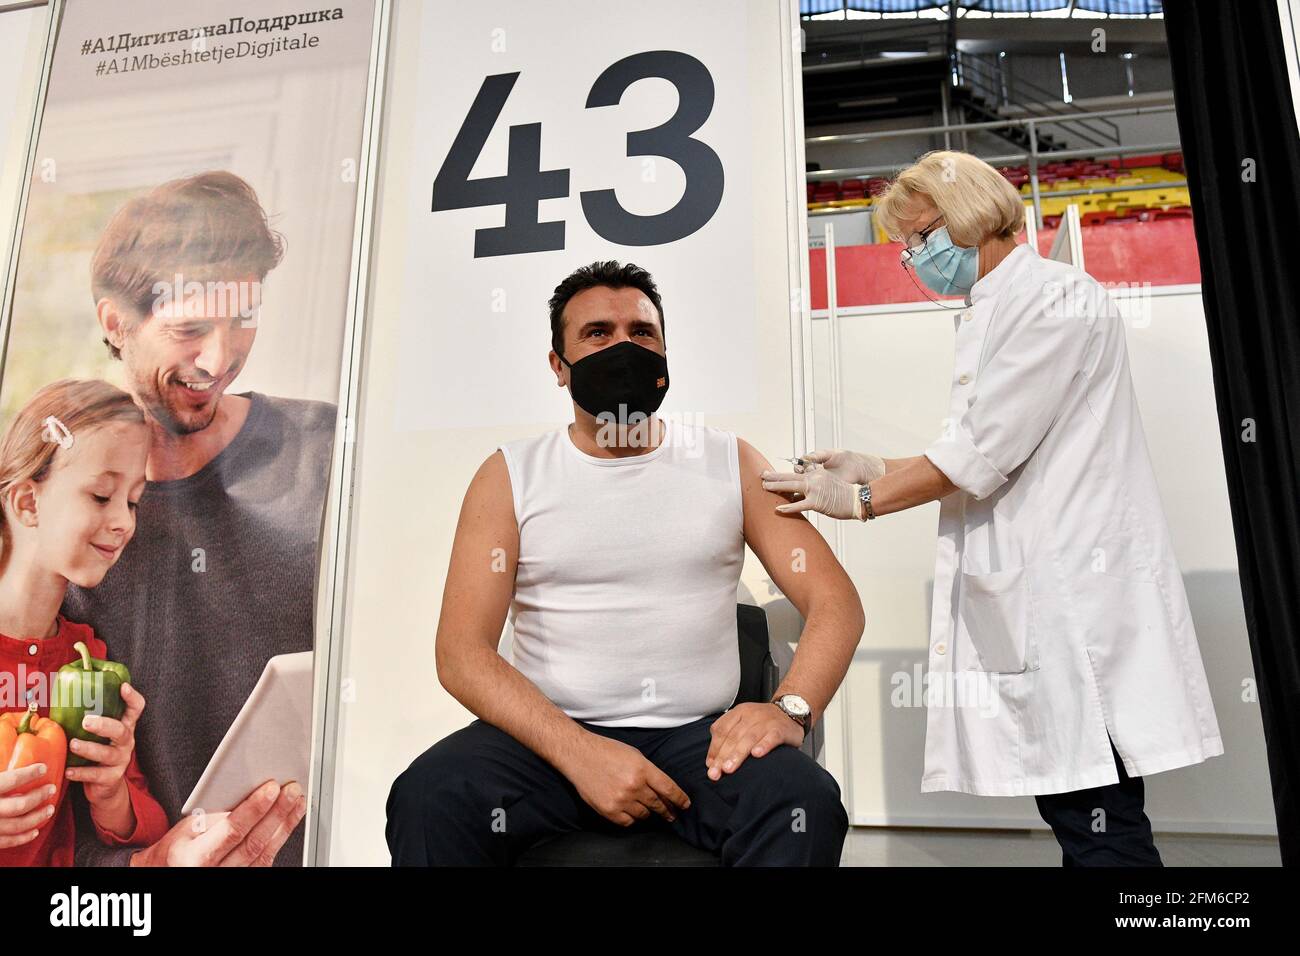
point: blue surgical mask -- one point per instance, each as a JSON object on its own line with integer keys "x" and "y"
{"x": 945, "y": 268}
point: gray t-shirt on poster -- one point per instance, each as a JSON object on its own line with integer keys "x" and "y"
{"x": 196, "y": 627}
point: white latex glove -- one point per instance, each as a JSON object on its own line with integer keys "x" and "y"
{"x": 850, "y": 466}
{"x": 822, "y": 492}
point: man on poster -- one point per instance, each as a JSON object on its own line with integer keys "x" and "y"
{"x": 221, "y": 573}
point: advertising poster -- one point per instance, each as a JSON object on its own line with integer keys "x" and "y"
{"x": 170, "y": 379}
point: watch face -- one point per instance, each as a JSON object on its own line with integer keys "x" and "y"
{"x": 796, "y": 705}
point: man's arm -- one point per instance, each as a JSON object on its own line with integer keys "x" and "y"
{"x": 615, "y": 779}
{"x": 806, "y": 571}
{"x": 475, "y": 601}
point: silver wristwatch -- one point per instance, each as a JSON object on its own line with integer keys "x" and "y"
{"x": 864, "y": 495}
{"x": 797, "y": 709}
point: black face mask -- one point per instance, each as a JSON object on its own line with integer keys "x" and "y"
{"x": 625, "y": 374}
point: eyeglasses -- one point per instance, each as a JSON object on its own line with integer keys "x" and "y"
{"x": 918, "y": 240}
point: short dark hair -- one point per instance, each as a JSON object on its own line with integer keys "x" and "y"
{"x": 609, "y": 274}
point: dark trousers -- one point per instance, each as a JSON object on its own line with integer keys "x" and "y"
{"x": 479, "y": 797}
{"x": 1102, "y": 826}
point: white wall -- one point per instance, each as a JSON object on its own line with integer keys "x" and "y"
{"x": 409, "y": 483}
{"x": 896, "y": 375}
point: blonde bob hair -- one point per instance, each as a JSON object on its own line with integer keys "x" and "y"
{"x": 977, "y": 203}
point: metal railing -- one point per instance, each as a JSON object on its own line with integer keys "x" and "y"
{"x": 1031, "y": 156}
{"x": 988, "y": 77}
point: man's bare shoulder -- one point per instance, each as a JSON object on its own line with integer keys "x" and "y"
{"x": 752, "y": 464}
{"x": 489, "y": 493}
{"x": 761, "y": 517}
{"x": 749, "y": 455}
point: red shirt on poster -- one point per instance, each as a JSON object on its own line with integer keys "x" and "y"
{"x": 32, "y": 663}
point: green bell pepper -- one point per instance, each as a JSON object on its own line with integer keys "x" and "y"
{"x": 86, "y": 686}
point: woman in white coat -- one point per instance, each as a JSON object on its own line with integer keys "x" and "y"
{"x": 1062, "y": 659}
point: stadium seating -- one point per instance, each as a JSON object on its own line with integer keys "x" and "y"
{"x": 1119, "y": 204}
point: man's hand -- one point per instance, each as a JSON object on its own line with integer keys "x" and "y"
{"x": 249, "y": 835}
{"x": 748, "y": 730}
{"x": 622, "y": 785}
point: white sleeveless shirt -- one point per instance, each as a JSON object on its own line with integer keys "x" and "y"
{"x": 624, "y": 611}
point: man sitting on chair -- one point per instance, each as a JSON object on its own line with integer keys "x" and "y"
{"x": 617, "y": 544}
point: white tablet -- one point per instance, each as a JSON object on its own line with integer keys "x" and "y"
{"x": 269, "y": 740}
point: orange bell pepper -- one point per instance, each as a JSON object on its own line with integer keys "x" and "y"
{"x": 27, "y": 738}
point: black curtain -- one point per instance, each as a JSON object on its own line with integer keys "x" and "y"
{"x": 1238, "y": 129}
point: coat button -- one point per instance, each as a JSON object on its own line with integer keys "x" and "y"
{"x": 32, "y": 649}
{"x": 941, "y": 648}
{"x": 964, "y": 380}
{"x": 965, "y": 316}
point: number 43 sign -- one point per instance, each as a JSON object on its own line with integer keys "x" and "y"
{"x": 525, "y": 183}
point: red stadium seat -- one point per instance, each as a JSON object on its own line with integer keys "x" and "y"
{"x": 1133, "y": 162}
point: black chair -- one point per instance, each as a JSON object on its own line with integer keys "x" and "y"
{"x": 652, "y": 842}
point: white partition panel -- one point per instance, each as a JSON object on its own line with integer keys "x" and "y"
{"x": 437, "y": 401}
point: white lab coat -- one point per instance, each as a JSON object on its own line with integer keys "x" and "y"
{"x": 1059, "y": 613}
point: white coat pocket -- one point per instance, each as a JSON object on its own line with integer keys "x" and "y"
{"x": 997, "y": 610}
